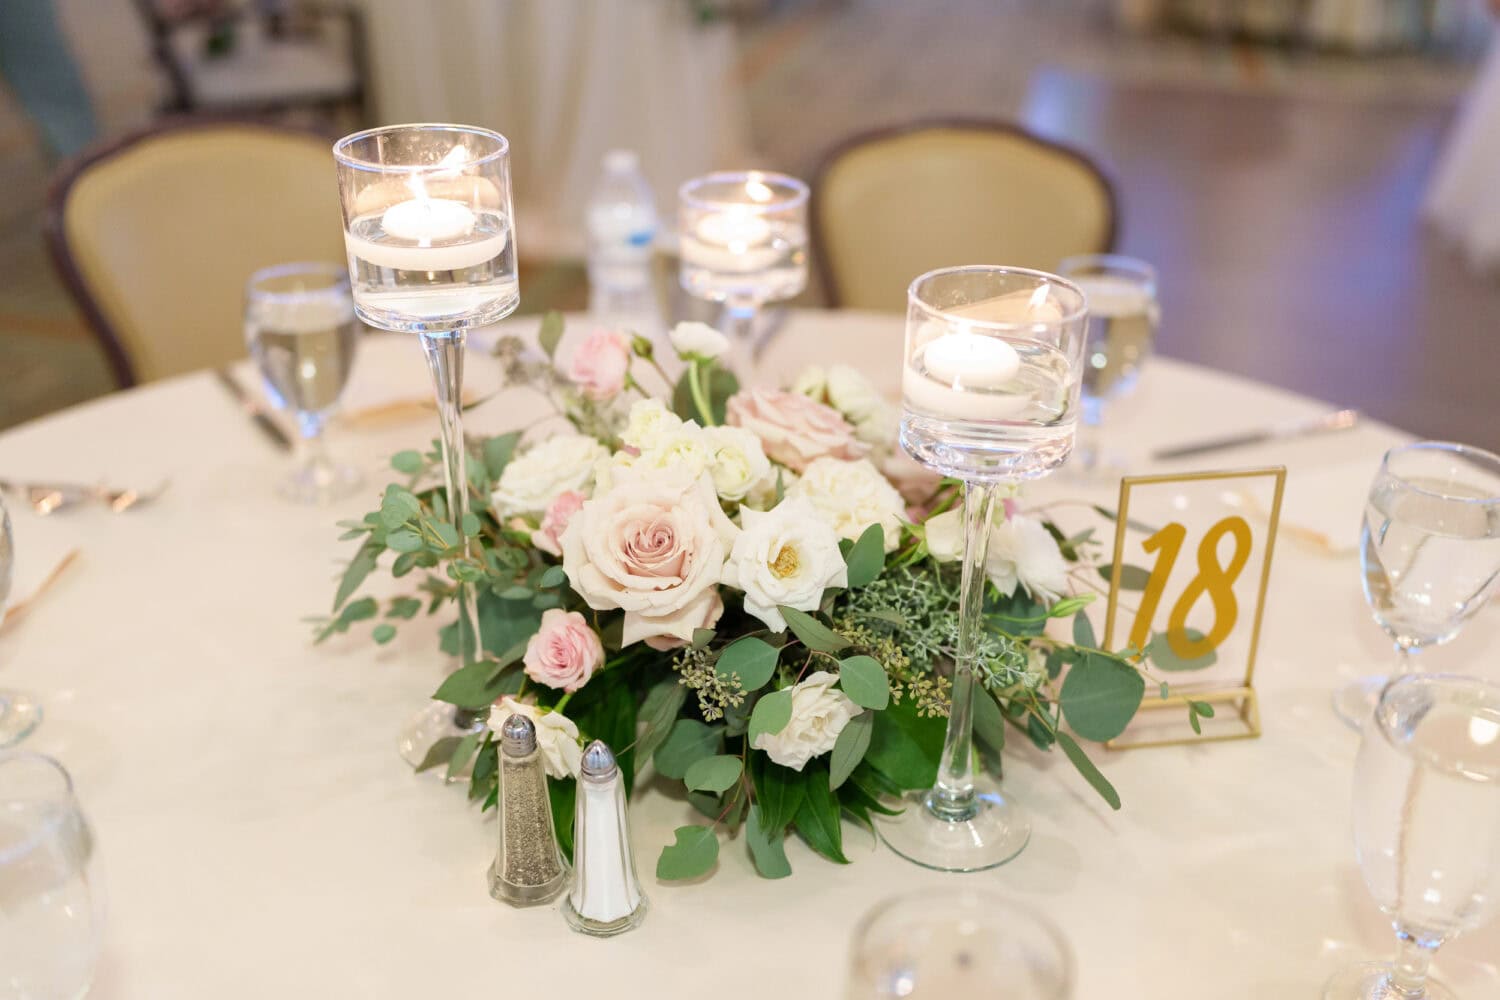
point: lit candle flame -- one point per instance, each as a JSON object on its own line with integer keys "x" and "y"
{"x": 757, "y": 189}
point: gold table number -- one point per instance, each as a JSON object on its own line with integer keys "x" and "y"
{"x": 1202, "y": 542}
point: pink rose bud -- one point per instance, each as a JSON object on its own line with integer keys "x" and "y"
{"x": 565, "y": 652}
{"x": 555, "y": 520}
{"x": 599, "y": 365}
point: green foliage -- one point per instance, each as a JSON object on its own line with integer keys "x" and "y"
{"x": 771, "y": 714}
{"x": 1083, "y": 632}
{"x": 694, "y": 854}
{"x": 1100, "y": 696}
{"x": 866, "y": 558}
{"x": 1131, "y": 577}
{"x": 658, "y": 712}
{"x": 905, "y": 748}
{"x": 849, "y": 749}
{"x": 1159, "y": 651}
{"x": 750, "y": 659}
{"x": 502, "y": 624}
{"x": 719, "y": 386}
{"x": 813, "y": 633}
{"x": 1091, "y": 774}
{"x": 713, "y": 774}
{"x": 409, "y": 462}
{"x": 989, "y": 721}
{"x": 563, "y": 794}
{"x": 550, "y": 333}
{"x": 498, "y": 451}
{"x": 479, "y": 684}
{"x": 817, "y": 819}
{"x": 864, "y": 680}
{"x": 778, "y": 792}
{"x": 439, "y": 753}
{"x": 767, "y": 850}
{"x": 688, "y": 742}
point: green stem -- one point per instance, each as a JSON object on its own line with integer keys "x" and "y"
{"x": 562, "y": 702}
{"x": 700, "y": 398}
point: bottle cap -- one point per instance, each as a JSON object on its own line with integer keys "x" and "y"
{"x": 621, "y": 160}
{"x": 518, "y": 736}
{"x": 598, "y": 762}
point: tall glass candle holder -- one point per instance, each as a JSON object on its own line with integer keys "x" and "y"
{"x": 743, "y": 243}
{"x": 431, "y": 246}
{"x": 990, "y": 396}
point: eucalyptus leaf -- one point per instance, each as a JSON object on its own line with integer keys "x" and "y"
{"x": 467, "y": 746}
{"x": 867, "y": 557}
{"x": 771, "y": 714}
{"x": 1163, "y": 657}
{"x": 383, "y": 633}
{"x": 1100, "y": 696}
{"x": 498, "y": 451}
{"x": 713, "y": 774}
{"x": 1131, "y": 577}
{"x": 688, "y": 742}
{"x": 693, "y": 854}
{"x": 471, "y": 524}
{"x": 849, "y": 749}
{"x": 550, "y": 333}
{"x": 1083, "y": 632}
{"x": 750, "y": 659}
{"x": 409, "y": 462}
{"x": 904, "y": 748}
{"x": 989, "y": 722}
{"x": 864, "y": 680}
{"x": 813, "y": 633}
{"x": 767, "y": 850}
{"x": 404, "y": 607}
{"x": 439, "y": 753}
{"x": 1086, "y": 767}
{"x": 403, "y": 540}
{"x": 398, "y": 506}
{"x": 359, "y": 567}
{"x": 555, "y": 576}
{"x": 658, "y": 712}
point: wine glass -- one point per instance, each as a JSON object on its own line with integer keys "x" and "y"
{"x": 989, "y": 396}
{"x": 1429, "y": 551}
{"x": 19, "y": 714}
{"x": 51, "y": 894}
{"x": 958, "y": 943}
{"x": 1123, "y": 320}
{"x": 301, "y": 331}
{"x": 743, "y": 242}
{"x": 1426, "y": 825}
{"x": 431, "y": 244}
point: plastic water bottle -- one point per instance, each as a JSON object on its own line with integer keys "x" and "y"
{"x": 622, "y": 230}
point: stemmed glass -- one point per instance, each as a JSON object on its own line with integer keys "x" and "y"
{"x": 1426, "y": 826}
{"x": 1430, "y": 552}
{"x": 743, "y": 242}
{"x": 428, "y": 228}
{"x": 19, "y": 714}
{"x": 958, "y": 943}
{"x": 51, "y": 895}
{"x": 301, "y": 331}
{"x": 990, "y": 396}
{"x": 1123, "y": 319}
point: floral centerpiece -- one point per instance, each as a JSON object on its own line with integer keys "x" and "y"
{"x": 751, "y": 588}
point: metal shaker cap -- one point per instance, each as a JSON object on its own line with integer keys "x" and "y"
{"x": 598, "y": 762}
{"x": 518, "y": 736}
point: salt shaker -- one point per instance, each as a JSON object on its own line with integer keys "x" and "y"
{"x": 528, "y": 867}
{"x": 606, "y": 897}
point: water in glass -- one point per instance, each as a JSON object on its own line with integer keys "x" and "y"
{"x": 1123, "y": 318}
{"x": 768, "y": 265}
{"x": 304, "y": 354}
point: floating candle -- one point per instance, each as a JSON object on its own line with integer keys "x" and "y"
{"x": 428, "y": 220}
{"x": 971, "y": 360}
{"x": 964, "y": 376}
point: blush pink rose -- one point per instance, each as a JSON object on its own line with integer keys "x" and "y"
{"x": 794, "y": 429}
{"x": 654, "y": 550}
{"x": 565, "y": 652}
{"x": 599, "y": 365}
{"x": 555, "y": 520}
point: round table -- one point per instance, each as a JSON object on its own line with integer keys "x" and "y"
{"x": 261, "y": 837}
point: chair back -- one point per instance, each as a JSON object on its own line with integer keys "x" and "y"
{"x": 890, "y": 205}
{"x": 156, "y": 235}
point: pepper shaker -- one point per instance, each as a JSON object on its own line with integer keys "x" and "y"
{"x": 606, "y": 898}
{"x": 528, "y": 867}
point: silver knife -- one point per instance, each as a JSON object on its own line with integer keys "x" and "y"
{"x": 1339, "y": 420}
{"x": 253, "y": 410}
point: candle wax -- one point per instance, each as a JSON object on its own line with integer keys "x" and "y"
{"x": 428, "y": 220}
{"x": 971, "y": 360}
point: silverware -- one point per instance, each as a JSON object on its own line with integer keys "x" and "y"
{"x": 253, "y": 410}
{"x": 47, "y": 498}
{"x": 1339, "y": 420}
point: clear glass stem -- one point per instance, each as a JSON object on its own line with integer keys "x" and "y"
{"x": 1409, "y": 971}
{"x": 1406, "y": 660}
{"x": 445, "y": 359}
{"x": 952, "y": 798}
{"x": 738, "y": 324}
{"x": 1087, "y": 443}
{"x": 313, "y": 463}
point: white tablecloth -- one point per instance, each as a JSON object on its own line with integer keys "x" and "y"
{"x": 566, "y": 81}
{"x": 261, "y": 838}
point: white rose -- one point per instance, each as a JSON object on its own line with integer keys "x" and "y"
{"x": 654, "y": 550}
{"x": 819, "y": 714}
{"x": 737, "y": 462}
{"x": 851, "y": 496}
{"x": 853, "y": 395}
{"x": 784, "y": 556}
{"x": 648, "y": 423}
{"x": 698, "y": 339}
{"x": 556, "y": 735}
{"x": 1022, "y": 551}
{"x": 534, "y": 479}
{"x": 945, "y": 535}
{"x": 812, "y": 381}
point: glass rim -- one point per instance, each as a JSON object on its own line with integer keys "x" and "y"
{"x": 687, "y": 193}
{"x": 1076, "y": 314}
{"x": 1398, "y": 684}
{"x": 67, "y": 799}
{"x": 1451, "y": 447}
{"x": 342, "y": 155}
{"x": 338, "y": 287}
{"x": 969, "y": 894}
{"x": 1110, "y": 261}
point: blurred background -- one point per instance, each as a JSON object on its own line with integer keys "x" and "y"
{"x": 1270, "y": 157}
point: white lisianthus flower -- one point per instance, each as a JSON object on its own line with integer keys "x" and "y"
{"x": 851, "y": 496}
{"x": 648, "y": 423}
{"x": 819, "y": 713}
{"x": 1022, "y": 551}
{"x": 812, "y": 381}
{"x": 737, "y": 461}
{"x": 945, "y": 535}
{"x": 679, "y": 456}
{"x": 788, "y": 556}
{"x": 556, "y": 735}
{"x": 535, "y": 478}
{"x": 698, "y": 340}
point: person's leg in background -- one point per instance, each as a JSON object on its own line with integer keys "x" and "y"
{"x": 37, "y": 64}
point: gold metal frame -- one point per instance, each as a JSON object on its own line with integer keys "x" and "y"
{"x": 1243, "y": 696}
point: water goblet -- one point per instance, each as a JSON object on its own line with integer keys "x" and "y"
{"x": 19, "y": 713}
{"x": 958, "y": 943}
{"x": 989, "y": 396}
{"x": 431, "y": 245}
{"x": 1426, "y": 825}
{"x": 51, "y": 895}
{"x": 301, "y": 331}
{"x": 1123, "y": 320}
{"x": 1429, "y": 551}
{"x": 743, "y": 242}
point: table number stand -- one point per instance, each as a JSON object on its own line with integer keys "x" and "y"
{"x": 1245, "y": 722}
